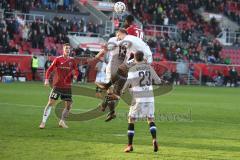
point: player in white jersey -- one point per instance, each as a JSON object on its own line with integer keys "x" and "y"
{"x": 126, "y": 46}
{"x": 114, "y": 61}
{"x": 116, "y": 58}
{"x": 134, "y": 44}
{"x": 141, "y": 76}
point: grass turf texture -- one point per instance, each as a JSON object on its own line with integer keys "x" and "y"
{"x": 210, "y": 129}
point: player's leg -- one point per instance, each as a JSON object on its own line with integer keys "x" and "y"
{"x": 129, "y": 147}
{"x": 98, "y": 92}
{"x": 153, "y": 131}
{"x": 65, "y": 113}
{"x": 47, "y": 110}
{"x": 117, "y": 88}
{"x": 66, "y": 96}
{"x": 152, "y": 125}
{"x": 118, "y": 76}
{"x": 111, "y": 105}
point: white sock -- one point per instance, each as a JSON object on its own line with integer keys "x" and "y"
{"x": 46, "y": 113}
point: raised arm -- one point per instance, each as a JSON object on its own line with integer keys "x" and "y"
{"x": 156, "y": 79}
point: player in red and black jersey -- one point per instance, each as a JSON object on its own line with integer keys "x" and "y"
{"x": 132, "y": 28}
{"x": 64, "y": 69}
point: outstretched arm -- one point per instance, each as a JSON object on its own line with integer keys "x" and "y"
{"x": 102, "y": 52}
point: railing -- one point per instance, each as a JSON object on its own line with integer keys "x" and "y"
{"x": 84, "y": 34}
{"x": 25, "y": 16}
{"x": 229, "y": 37}
{"x": 1, "y": 13}
{"x": 109, "y": 27}
{"x": 154, "y": 30}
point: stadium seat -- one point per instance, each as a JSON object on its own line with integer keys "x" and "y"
{"x": 35, "y": 51}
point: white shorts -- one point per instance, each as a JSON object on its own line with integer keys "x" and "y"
{"x": 142, "y": 110}
{"x": 111, "y": 69}
{"x": 108, "y": 74}
{"x": 101, "y": 77}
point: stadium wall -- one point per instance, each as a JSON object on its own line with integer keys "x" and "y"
{"x": 24, "y": 62}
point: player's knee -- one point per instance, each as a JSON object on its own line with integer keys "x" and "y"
{"x": 131, "y": 120}
{"x": 123, "y": 70}
{"x": 68, "y": 104}
{"x": 51, "y": 102}
{"x": 150, "y": 119}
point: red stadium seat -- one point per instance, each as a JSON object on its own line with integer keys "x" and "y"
{"x": 35, "y": 51}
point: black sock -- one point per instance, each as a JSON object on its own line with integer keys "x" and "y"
{"x": 98, "y": 90}
{"x": 109, "y": 84}
{"x": 130, "y": 133}
{"x": 153, "y": 129}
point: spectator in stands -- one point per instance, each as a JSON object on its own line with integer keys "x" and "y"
{"x": 14, "y": 71}
{"x": 41, "y": 38}
{"x": 83, "y": 70}
{"x": 25, "y": 32}
{"x": 2, "y": 70}
{"x": 57, "y": 28}
{"x": 233, "y": 77}
{"x": 53, "y": 4}
{"x": 34, "y": 37}
{"x": 8, "y": 69}
{"x": 34, "y": 66}
{"x": 226, "y": 74}
{"x": 53, "y": 51}
{"x": 60, "y": 38}
{"x": 79, "y": 79}
{"x": 13, "y": 49}
{"x": 218, "y": 79}
{"x": 211, "y": 58}
{"x": 227, "y": 60}
{"x": 7, "y": 8}
{"x": 3, "y": 24}
{"x": 35, "y": 26}
{"x": 10, "y": 28}
{"x": 4, "y": 39}
{"x": 48, "y": 29}
{"x": 26, "y": 6}
{"x": 47, "y": 63}
{"x": 174, "y": 76}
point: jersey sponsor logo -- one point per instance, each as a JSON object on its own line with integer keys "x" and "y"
{"x": 65, "y": 67}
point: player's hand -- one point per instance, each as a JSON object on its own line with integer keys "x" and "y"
{"x": 46, "y": 83}
{"x": 75, "y": 77}
{"x": 105, "y": 47}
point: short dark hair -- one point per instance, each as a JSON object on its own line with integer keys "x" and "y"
{"x": 139, "y": 56}
{"x": 122, "y": 30}
{"x": 129, "y": 19}
{"x": 66, "y": 44}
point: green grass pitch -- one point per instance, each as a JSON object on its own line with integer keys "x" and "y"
{"x": 196, "y": 123}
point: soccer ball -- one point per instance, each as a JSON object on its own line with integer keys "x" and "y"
{"x": 119, "y": 7}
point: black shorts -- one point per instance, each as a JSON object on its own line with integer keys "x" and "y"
{"x": 65, "y": 94}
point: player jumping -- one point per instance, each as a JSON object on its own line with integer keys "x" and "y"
{"x": 132, "y": 28}
{"x": 127, "y": 46}
{"x": 64, "y": 69}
